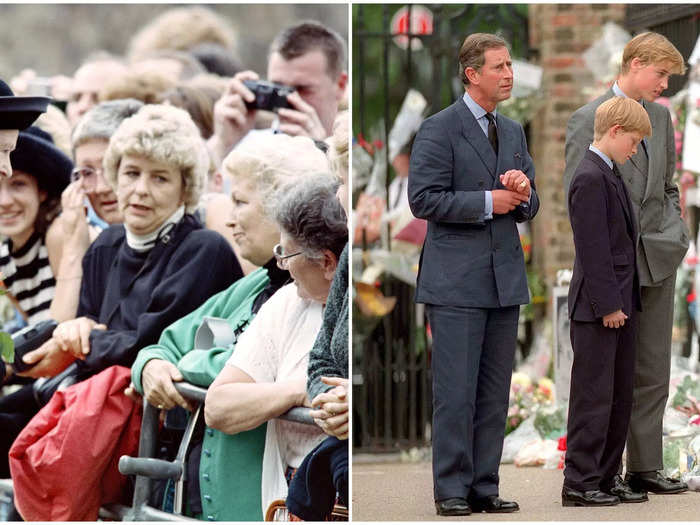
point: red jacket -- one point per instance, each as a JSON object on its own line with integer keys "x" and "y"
{"x": 64, "y": 463}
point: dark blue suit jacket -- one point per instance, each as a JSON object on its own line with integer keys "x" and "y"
{"x": 466, "y": 260}
{"x": 605, "y": 277}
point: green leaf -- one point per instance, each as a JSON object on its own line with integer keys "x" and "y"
{"x": 7, "y": 347}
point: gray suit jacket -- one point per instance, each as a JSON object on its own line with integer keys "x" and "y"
{"x": 662, "y": 240}
{"x": 467, "y": 260}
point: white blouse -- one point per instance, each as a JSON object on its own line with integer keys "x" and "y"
{"x": 276, "y": 347}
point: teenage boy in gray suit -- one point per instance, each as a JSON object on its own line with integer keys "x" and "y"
{"x": 472, "y": 178}
{"x": 648, "y": 60}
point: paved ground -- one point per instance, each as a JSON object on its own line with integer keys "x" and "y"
{"x": 403, "y": 492}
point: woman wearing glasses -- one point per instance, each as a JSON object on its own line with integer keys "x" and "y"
{"x": 257, "y": 168}
{"x": 267, "y": 373}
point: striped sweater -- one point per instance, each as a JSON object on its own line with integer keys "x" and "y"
{"x": 28, "y": 276}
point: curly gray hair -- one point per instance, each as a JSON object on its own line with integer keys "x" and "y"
{"x": 102, "y": 121}
{"x": 165, "y": 134}
{"x": 309, "y": 212}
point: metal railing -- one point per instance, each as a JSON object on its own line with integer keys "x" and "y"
{"x": 146, "y": 467}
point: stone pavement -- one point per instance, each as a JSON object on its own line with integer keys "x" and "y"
{"x": 403, "y": 492}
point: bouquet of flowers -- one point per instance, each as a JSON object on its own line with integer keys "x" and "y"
{"x": 526, "y": 397}
{"x": 687, "y": 399}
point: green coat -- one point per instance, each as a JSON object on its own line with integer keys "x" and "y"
{"x": 231, "y": 465}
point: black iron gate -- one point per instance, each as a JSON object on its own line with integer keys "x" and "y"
{"x": 392, "y": 406}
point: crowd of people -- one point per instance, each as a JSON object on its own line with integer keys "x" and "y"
{"x": 177, "y": 188}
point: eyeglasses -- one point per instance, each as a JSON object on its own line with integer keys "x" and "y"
{"x": 278, "y": 252}
{"x": 87, "y": 177}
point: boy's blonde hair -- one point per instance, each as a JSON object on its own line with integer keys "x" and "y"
{"x": 652, "y": 48}
{"x": 624, "y": 112}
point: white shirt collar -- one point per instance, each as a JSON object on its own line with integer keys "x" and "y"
{"x": 474, "y": 107}
{"x": 602, "y": 155}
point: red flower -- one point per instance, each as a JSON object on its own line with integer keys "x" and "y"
{"x": 562, "y": 443}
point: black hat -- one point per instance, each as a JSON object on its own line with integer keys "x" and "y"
{"x": 36, "y": 154}
{"x": 19, "y": 112}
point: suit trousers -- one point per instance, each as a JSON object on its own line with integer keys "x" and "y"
{"x": 472, "y": 363}
{"x": 652, "y": 377}
{"x": 600, "y": 402}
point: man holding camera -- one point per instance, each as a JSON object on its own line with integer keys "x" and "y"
{"x": 308, "y": 57}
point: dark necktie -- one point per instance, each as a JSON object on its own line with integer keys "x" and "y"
{"x": 493, "y": 136}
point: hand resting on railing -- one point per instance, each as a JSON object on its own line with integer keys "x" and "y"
{"x": 331, "y": 409}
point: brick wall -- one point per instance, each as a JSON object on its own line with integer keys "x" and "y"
{"x": 559, "y": 33}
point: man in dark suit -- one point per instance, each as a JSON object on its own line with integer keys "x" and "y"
{"x": 472, "y": 178}
{"x": 648, "y": 60}
{"x": 603, "y": 305}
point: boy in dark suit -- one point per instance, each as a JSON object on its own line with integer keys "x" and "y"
{"x": 603, "y": 298}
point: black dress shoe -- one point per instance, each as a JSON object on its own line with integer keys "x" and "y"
{"x": 654, "y": 482}
{"x": 623, "y": 491}
{"x": 453, "y": 507}
{"x": 589, "y": 498}
{"x": 493, "y": 505}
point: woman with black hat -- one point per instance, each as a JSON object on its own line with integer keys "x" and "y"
{"x": 29, "y": 201}
{"x": 16, "y": 113}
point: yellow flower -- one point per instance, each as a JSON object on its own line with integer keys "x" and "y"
{"x": 520, "y": 379}
{"x": 545, "y": 386}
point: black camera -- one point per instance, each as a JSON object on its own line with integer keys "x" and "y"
{"x": 268, "y": 95}
{"x": 30, "y": 338}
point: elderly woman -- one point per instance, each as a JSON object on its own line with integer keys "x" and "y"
{"x": 324, "y": 471}
{"x": 72, "y": 232}
{"x": 256, "y": 169}
{"x": 266, "y": 375}
{"x": 141, "y": 276}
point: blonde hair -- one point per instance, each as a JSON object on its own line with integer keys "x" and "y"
{"x": 55, "y": 123}
{"x": 624, "y": 112}
{"x": 652, "y": 48}
{"x": 182, "y": 28}
{"x": 147, "y": 86}
{"x": 164, "y": 134}
{"x": 339, "y": 147}
{"x": 270, "y": 161}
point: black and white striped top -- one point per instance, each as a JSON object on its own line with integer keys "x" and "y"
{"x": 28, "y": 276}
